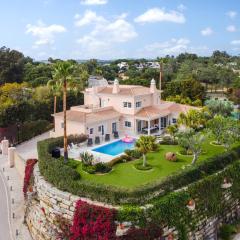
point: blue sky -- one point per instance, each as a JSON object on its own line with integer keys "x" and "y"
{"x": 109, "y": 29}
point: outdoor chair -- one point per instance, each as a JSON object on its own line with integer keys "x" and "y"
{"x": 116, "y": 135}
{"x": 97, "y": 140}
{"x": 89, "y": 142}
{"x": 107, "y": 137}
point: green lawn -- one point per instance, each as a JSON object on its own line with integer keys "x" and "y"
{"x": 125, "y": 175}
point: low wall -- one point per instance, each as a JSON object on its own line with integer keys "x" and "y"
{"x": 48, "y": 203}
{"x": 19, "y": 164}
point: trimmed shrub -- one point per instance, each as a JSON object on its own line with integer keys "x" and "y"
{"x": 134, "y": 153}
{"x": 120, "y": 159}
{"x": 97, "y": 168}
{"x": 102, "y": 168}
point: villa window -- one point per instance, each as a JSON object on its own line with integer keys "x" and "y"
{"x": 174, "y": 120}
{"x": 138, "y": 104}
{"x": 127, "y": 104}
{"x": 99, "y": 128}
{"x": 128, "y": 124}
{"x": 91, "y": 131}
{"x": 62, "y": 124}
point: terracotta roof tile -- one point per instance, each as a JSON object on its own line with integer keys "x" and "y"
{"x": 92, "y": 117}
{"x": 130, "y": 90}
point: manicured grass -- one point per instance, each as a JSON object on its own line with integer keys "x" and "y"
{"x": 127, "y": 176}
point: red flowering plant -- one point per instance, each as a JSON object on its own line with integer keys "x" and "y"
{"x": 28, "y": 174}
{"x": 92, "y": 222}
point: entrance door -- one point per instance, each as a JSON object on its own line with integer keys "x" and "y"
{"x": 139, "y": 126}
{"x": 114, "y": 127}
{"x": 163, "y": 122}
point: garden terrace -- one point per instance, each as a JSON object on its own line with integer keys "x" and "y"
{"x": 126, "y": 184}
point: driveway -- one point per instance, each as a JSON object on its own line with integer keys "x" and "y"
{"x": 29, "y": 149}
{"x": 5, "y": 229}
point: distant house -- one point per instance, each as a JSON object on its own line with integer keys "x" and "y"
{"x": 123, "y": 66}
{"x": 95, "y": 81}
{"x": 154, "y": 65}
{"x": 218, "y": 95}
{"x": 127, "y": 109}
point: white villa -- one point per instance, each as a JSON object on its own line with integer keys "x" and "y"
{"x": 125, "y": 109}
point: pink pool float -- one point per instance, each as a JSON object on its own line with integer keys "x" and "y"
{"x": 128, "y": 139}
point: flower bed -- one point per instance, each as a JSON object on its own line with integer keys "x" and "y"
{"x": 28, "y": 174}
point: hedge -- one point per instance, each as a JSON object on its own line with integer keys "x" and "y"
{"x": 67, "y": 179}
{"x": 210, "y": 199}
{"x": 30, "y": 129}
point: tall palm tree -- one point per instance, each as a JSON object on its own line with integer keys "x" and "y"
{"x": 63, "y": 71}
{"x": 55, "y": 86}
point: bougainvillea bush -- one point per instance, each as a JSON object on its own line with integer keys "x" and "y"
{"x": 28, "y": 174}
{"x": 92, "y": 222}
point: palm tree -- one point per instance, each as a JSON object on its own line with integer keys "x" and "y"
{"x": 192, "y": 119}
{"x": 146, "y": 144}
{"x": 55, "y": 87}
{"x": 63, "y": 71}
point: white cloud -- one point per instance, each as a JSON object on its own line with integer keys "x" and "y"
{"x": 181, "y": 7}
{"x": 89, "y": 17}
{"x": 160, "y": 15}
{"x": 231, "y": 28}
{"x": 105, "y": 35}
{"x": 44, "y": 34}
{"x": 94, "y": 2}
{"x": 231, "y": 14}
{"x": 207, "y": 31}
{"x": 235, "y": 42}
{"x": 171, "y": 47}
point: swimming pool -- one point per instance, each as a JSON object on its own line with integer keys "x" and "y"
{"x": 114, "y": 148}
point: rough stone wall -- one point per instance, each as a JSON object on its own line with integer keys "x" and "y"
{"x": 48, "y": 202}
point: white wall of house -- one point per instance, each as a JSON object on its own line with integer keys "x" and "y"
{"x": 95, "y": 129}
{"x": 72, "y": 127}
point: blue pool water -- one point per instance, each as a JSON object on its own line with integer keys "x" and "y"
{"x": 114, "y": 148}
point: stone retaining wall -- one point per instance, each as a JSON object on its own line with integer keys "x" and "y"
{"x": 48, "y": 202}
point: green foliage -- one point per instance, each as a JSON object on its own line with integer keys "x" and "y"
{"x": 87, "y": 158}
{"x": 146, "y": 144}
{"x": 195, "y": 119}
{"x": 220, "y": 107}
{"x": 134, "y": 153}
{"x": 225, "y": 130}
{"x": 171, "y": 210}
{"x": 31, "y": 129}
{"x": 226, "y": 231}
{"x": 188, "y": 88}
{"x": 97, "y": 168}
{"x": 121, "y": 159}
{"x": 66, "y": 181}
{"x": 11, "y": 65}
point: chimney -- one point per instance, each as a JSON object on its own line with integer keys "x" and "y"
{"x": 153, "y": 88}
{"x": 116, "y": 88}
